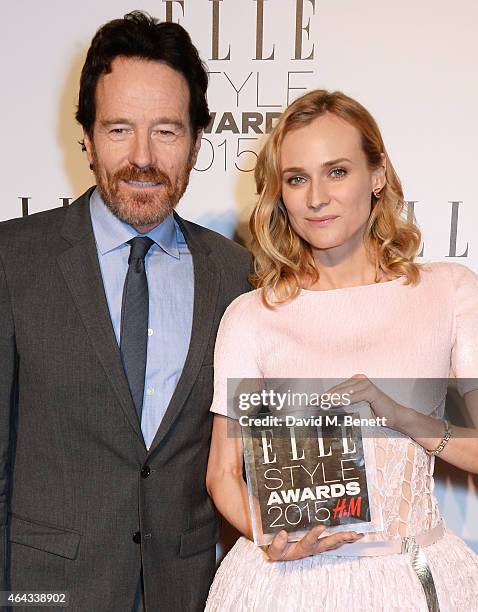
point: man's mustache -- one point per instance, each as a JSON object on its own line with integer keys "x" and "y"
{"x": 151, "y": 174}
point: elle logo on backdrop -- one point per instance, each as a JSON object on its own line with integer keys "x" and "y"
{"x": 261, "y": 12}
{"x": 455, "y": 207}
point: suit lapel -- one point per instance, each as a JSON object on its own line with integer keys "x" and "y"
{"x": 206, "y": 289}
{"x": 80, "y": 267}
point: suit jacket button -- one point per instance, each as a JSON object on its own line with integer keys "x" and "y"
{"x": 145, "y": 471}
{"x": 137, "y": 537}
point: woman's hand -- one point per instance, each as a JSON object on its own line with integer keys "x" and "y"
{"x": 282, "y": 550}
{"x": 360, "y": 389}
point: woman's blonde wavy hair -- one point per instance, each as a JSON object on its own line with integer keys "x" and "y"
{"x": 282, "y": 259}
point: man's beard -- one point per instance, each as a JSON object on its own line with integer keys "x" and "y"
{"x": 134, "y": 207}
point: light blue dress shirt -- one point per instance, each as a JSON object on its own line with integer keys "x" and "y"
{"x": 169, "y": 269}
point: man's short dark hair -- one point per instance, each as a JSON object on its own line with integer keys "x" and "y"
{"x": 142, "y": 36}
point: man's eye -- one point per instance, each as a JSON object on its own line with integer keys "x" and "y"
{"x": 166, "y": 134}
{"x": 296, "y": 180}
{"x": 118, "y": 133}
{"x": 338, "y": 172}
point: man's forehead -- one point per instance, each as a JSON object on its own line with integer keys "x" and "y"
{"x": 137, "y": 84}
{"x": 141, "y": 79}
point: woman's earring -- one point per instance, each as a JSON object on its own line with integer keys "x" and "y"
{"x": 376, "y": 193}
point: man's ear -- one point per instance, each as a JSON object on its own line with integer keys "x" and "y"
{"x": 195, "y": 148}
{"x": 89, "y": 148}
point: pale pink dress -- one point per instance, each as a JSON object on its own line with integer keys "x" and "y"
{"x": 385, "y": 330}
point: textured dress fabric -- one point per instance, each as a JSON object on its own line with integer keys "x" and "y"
{"x": 388, "y": 330}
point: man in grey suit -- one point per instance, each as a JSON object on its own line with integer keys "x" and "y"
{"x": 108, "y": 315}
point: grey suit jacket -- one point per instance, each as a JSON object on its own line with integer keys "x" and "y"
{"x": 83, "y": 504}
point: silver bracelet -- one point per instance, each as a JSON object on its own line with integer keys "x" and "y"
{"x": 444, "y": 440}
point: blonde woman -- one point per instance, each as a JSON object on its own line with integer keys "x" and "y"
{"x": 339, "y": 295}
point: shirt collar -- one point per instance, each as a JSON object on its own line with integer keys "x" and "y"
{"x": 111, "y": 233}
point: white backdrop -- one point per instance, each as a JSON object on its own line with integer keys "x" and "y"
{"x": 412, "y": 64}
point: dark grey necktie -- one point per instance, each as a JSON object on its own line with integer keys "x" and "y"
{"x": 134, "y": 320}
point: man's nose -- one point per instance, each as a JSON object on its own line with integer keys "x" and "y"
{"x": 141, "y": 153}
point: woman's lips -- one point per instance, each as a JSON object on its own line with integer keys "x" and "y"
{"x": 325, "y": 220}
